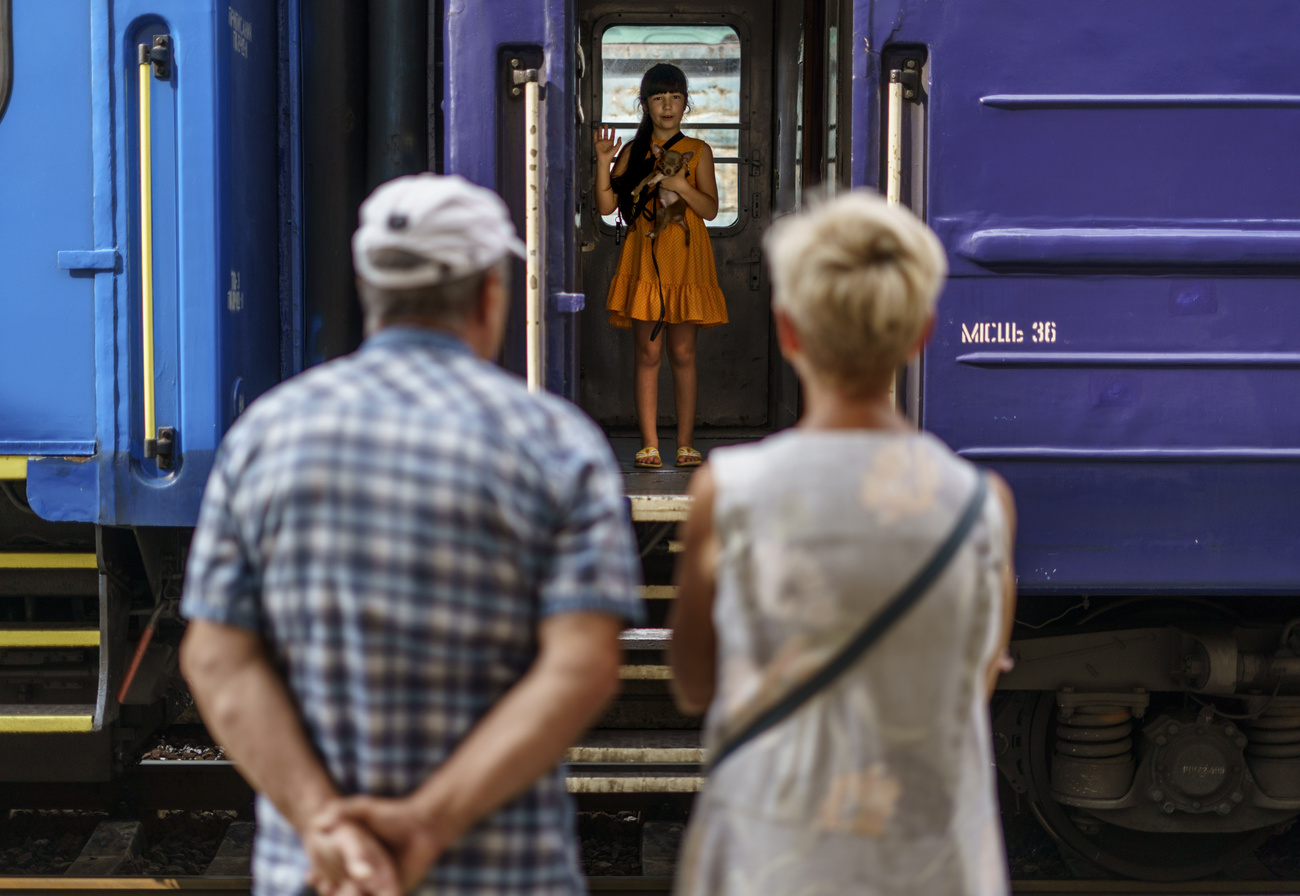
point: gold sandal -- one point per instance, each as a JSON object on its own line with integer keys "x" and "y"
{"x": 648, "y": 457}
{"x": 688, "y": 457}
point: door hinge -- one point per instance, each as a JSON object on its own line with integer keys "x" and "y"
{"x": 162, "y": 448}
{"x": 160, "y": 55}
{"x": 910, "y": 77}
{"x": 519, "y": 76}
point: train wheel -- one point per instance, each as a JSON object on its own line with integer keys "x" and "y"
{"x": 1140, "y": 855}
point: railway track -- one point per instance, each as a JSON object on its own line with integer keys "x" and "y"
{"x": 240, "y": 886}
{"x": 624, "y": 886}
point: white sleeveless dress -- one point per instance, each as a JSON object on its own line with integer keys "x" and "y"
{"x": 884, "y": 782}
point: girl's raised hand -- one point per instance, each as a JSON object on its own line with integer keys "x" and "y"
{"x": 606, "y": 146}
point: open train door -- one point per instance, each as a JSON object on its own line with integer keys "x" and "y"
{"x": 725, "y": 49}
{"x": 1117, "y": 190}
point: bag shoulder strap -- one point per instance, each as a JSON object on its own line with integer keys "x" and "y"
{"x": 871, "y": 632}
{"x": 668, "y": 144}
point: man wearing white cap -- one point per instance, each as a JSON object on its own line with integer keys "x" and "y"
{"x": 407, "y": 583}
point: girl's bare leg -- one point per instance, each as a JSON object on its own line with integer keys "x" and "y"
{"x": 681, "y": 355}
{"x": 648, "y": 356}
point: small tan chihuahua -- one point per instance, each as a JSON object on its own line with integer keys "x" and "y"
{"x": 672, "y": 207}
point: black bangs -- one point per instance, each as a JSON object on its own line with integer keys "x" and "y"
{"x": 662, "y": 78}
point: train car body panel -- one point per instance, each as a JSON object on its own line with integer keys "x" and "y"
{"x": 1117, "y": 192}
{"x": 214, "y": 204}
{"x": 47, "y": 351}
{"x": 483, "y": 143}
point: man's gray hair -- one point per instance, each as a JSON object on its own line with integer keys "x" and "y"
{"x": 449, "y": 302}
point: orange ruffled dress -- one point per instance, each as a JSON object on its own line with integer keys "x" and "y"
{"x": 688, "y": 274}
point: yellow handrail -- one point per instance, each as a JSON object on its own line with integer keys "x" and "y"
{"x": 146, "y": 241}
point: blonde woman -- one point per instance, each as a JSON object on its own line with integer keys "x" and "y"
{"x": 881, "y": 783}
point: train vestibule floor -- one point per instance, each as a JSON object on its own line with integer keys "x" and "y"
{"x": 668, "y": 479}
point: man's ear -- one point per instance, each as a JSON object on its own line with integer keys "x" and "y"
{"x": 492, "y": 296}
{"x": 488, "y": 319}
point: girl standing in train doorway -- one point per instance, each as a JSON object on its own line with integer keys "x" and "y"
{"x": 666, "y": 286}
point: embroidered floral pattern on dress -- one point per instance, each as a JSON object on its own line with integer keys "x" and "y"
{"x": 882, "y": 784}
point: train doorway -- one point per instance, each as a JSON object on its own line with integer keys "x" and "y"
{"x": 744, "y": 65}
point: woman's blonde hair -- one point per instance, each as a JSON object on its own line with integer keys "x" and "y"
{"x": 858, "y": 279}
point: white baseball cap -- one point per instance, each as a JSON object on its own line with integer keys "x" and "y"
{"x": 456, "y": 227}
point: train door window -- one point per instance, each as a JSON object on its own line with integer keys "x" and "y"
{"x": 710, "y": 55}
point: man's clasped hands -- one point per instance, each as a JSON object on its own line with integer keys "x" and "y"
{"x": 371, "y": 846}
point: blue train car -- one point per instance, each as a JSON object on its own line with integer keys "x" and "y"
{"x": 139, "y": 219}
{"x": 1113, "y": 185}
{"x": 86, "y": 385}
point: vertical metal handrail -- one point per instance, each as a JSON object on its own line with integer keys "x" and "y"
{"x": 146, "y": 244}
{"x": 535, "y": 276}
{"x": 6, "y": 55}
{"x": 894, "y": 138}
{"x": 894, "y": 166}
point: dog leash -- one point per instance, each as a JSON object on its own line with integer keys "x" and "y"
{"x": 654, "y": 257}
{"x": 870, "y": 633}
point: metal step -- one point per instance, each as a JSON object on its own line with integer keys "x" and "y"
{"x": 28, "y": 638}
{"x": 645, "y": 672}
{"x": 46, "y": 560}
{"x": 641, "y": 640}
{"x": 658, "y": 592}
{"x": 43, "y": 692}
{"x": 646, "y": 638}
{"x": 659, "y": 508}
{"x": 592, "y": 778}
{"x": 46, "y": 718}
{"x": 609, "y": 746}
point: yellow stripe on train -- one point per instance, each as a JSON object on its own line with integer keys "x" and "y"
{"x": 13, "y": 467}
{"x": 46, "y": 560}
{"x": 46, "y": 724}
{"x": 49, "y": 637}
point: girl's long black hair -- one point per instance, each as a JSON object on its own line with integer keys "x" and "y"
{"x": 661, "y": 78}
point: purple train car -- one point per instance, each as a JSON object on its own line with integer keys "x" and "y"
{"x": 1115, "y": 185}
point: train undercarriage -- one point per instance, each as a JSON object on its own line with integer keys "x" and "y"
{"x": 1161, "y": 752}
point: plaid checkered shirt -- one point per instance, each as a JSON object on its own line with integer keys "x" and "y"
{"x": 395, "y": 524}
